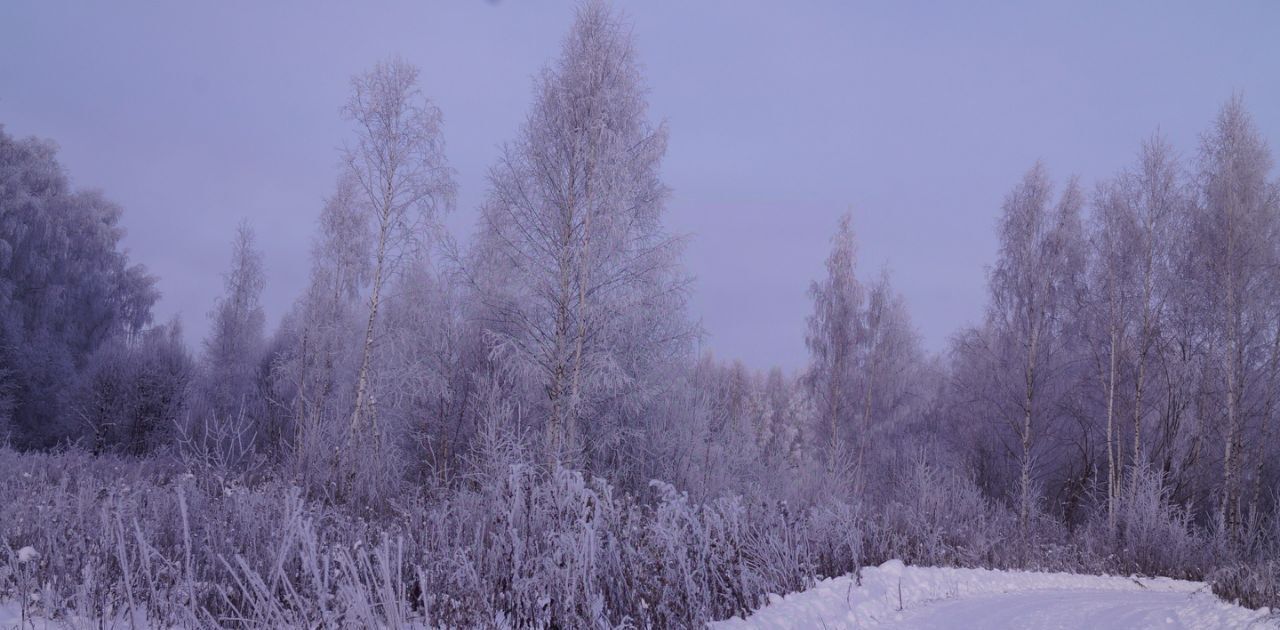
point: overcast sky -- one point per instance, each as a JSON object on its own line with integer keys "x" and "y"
{"x": 782, "y": 115}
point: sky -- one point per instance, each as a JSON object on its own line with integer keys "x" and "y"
{"x": 917, "y": 117}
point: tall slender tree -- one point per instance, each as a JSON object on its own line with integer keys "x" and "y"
{"x": 835, "y": 331}
{"x": 399, "y": 166}
{"x": 1034, "y": 284}
{"x": 583, "y": 293}
{"x": 891, "y": 363}
{"x": 233, "y": 349}
{"x": 1135, "y": 217}
{"x": 1235, "y": 228}
{"x": 314, "y": 377}
{"x": 340, "y": 270}
{"x": 1159, "y": 204}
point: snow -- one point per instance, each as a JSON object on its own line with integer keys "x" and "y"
{"x": 11, "y": 618}
{"x": 27, "y": 554}
{"x": 896, "y": 596}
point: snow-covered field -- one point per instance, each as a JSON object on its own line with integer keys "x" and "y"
{"x": 896, "y": 596}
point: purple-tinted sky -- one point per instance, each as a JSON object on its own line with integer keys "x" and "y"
{"x": 918, "y": 116}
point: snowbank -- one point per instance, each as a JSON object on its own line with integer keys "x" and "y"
{"x": 893, "y": 595}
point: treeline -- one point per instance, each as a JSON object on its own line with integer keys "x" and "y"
{"x": 1121, "y": 397}
{"x": 1133, "y": 327}
{"x": 566, "y": 316}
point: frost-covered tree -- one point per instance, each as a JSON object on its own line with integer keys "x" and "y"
{"x": 134, "y": 390}
{"x": 864, "y": 362}
{"x": 584, "y": 299}
{"x": 66, "y": 287}
{"x": 893, "y": 382}
{"x": 1017, "y": 367}
{"x": 235, "y": 343}
{"x": 314, "y": 356}
{"x": 1133, "y": 230}
{"x": 328, "y": 349}
{"x": 403, "y": 183}
{"x": 834, "y": 337}
{"x": 1112, "y": 277}
{"x": 782, "y": 418}
{"x": 421, "y": 372}
{"x": 724, "y": 448}
{"x": 1235, "y": 227}
{"x": 1158, "y": 205}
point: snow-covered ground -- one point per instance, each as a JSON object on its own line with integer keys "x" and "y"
{"x": 11, "y": 619}
{"x": 895, "y": 596}
{"x": 915, "y": 598}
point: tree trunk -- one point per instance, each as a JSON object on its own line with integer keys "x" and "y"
{"x": 1112, "y": 473}
{"x": 1230, "y": 461}
{"x": 363, "y": 407}
{"x": 866, "y": 417}
{"x": 1024, "y": 504}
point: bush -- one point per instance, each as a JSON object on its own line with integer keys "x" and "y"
{"x": 530, "y": 548}
{"x": 1152, "y": 536}
{"x": 940, "y": 517}
{"x": 513, "y": 545}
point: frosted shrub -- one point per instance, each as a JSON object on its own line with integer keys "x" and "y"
{"x": 1250, "y": 572}
{"x": 837, "y": 531}
{"x": 514, "y": 545}
{"x": 783, "y": 548}
{"x": 219, "y": 449}
{"x": 1154, "y": 536}
{"x": 1151, "y": 536}
{"x": 313, "y": 462}
{"x": 1252, "y": 585}
{"x": 941, "y": 517}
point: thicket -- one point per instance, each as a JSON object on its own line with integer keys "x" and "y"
{"x": 127, "y": 540}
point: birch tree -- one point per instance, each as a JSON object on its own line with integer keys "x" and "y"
{"x": 1112, "y": 277}
{"x": 893, "y": 384}
{"x": 397, "y": 161}
{"x": 233, "y": 349}
{"x": 1135, "y": 219}
{"x": 834, "y": 334}
{"x": 340, "y": 270}
{"x": 584, "y": 299}
{"x": 1159, "y": 205}
{"x": 314, "y": 379}
{"x": 1033, "y": 285}
{"x": 1235, "y": 225}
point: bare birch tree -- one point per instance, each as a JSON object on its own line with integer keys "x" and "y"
{"x": 1033, "y": 283}
{"x": 234, "y": 347}
{"x": 1111, "y": 278}
{"x": 891, "y": 363}
{"x": 1158, "y": 200}
{"x": 834, "y": 335}
{"x": 1235, "y": 224}
{"x": 316, "y": 377}
{"x": 399, "y": 167}
{"x": 583, "y": 293}
{"x": 1134, "y": 219}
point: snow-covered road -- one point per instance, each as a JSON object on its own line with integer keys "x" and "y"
{"x": 1062, "y": 610}
{"x": 916, "y": 598}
